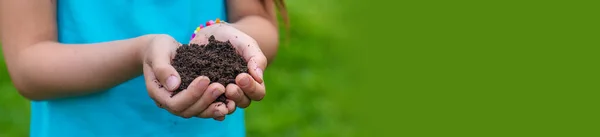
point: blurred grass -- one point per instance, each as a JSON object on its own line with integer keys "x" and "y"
{"x": 304, "y": 82}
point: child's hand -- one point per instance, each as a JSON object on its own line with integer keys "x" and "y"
{"x": 248, "y": 86}
{"x": 162, "y": 79}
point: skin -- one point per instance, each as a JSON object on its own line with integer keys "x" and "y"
{"x": 43, "y": 69}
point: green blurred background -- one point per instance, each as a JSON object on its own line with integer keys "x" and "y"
{"x": 302, "y": 82}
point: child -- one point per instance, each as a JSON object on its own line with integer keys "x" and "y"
{"x": 80, "y": 62}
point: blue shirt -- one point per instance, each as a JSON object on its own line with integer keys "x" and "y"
{"x": 127, "y": 110}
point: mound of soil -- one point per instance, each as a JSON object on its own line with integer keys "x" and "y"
{"x": 217, "y": 60}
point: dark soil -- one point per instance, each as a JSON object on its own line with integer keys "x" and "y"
{"x": 217, "y": 60}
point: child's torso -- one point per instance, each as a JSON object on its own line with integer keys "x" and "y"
{"x": 127, "y": 110}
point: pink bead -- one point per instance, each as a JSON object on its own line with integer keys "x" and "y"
{"x": 211, "y": 22}
{"x": 201, "y": 26}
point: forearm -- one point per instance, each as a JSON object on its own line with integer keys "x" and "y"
{"x": 49, "y": 70}
{"x": 263, "y": 31}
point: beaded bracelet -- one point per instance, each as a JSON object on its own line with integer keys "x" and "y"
{"x": 208, "y": 23}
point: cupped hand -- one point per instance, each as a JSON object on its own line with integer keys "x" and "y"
{"x": 162, "y": 79}
{"x": 247, "y": 87}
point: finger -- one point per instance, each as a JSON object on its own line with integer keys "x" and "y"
{"x": 186, "y": 98}
{"x": 230, "y": 106}
{"x": 167, "y": 76}
{"x": 219, "y": 118}
{"x": 164, "y": 72}
{"x": 251, "y": 88}
{"x": 160, "y": 61}
{"x": 256, "y": 65}
{"x": 217, "y": 109}
{"x": 213, "y": 91}
{"x": 249, "y": 49}
{"x": 155, "y": 90}
{"x": 236, "y": 94}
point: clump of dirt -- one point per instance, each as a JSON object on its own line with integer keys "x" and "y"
{"x": 217, "y": 60}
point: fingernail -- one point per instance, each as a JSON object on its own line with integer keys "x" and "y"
{"x": 172, "y": 82}
{"x": 203, "y": 82}
{"x": 245, "y": 82}
{"x": 217, "y": 93}
{"x": 259, "y": 72}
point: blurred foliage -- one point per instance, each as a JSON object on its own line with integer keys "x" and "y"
{"x": 303, "y": 82}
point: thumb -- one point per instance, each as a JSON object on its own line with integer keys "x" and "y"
{"x": 163, "y": 49}
{"x": 166, "y": 74}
